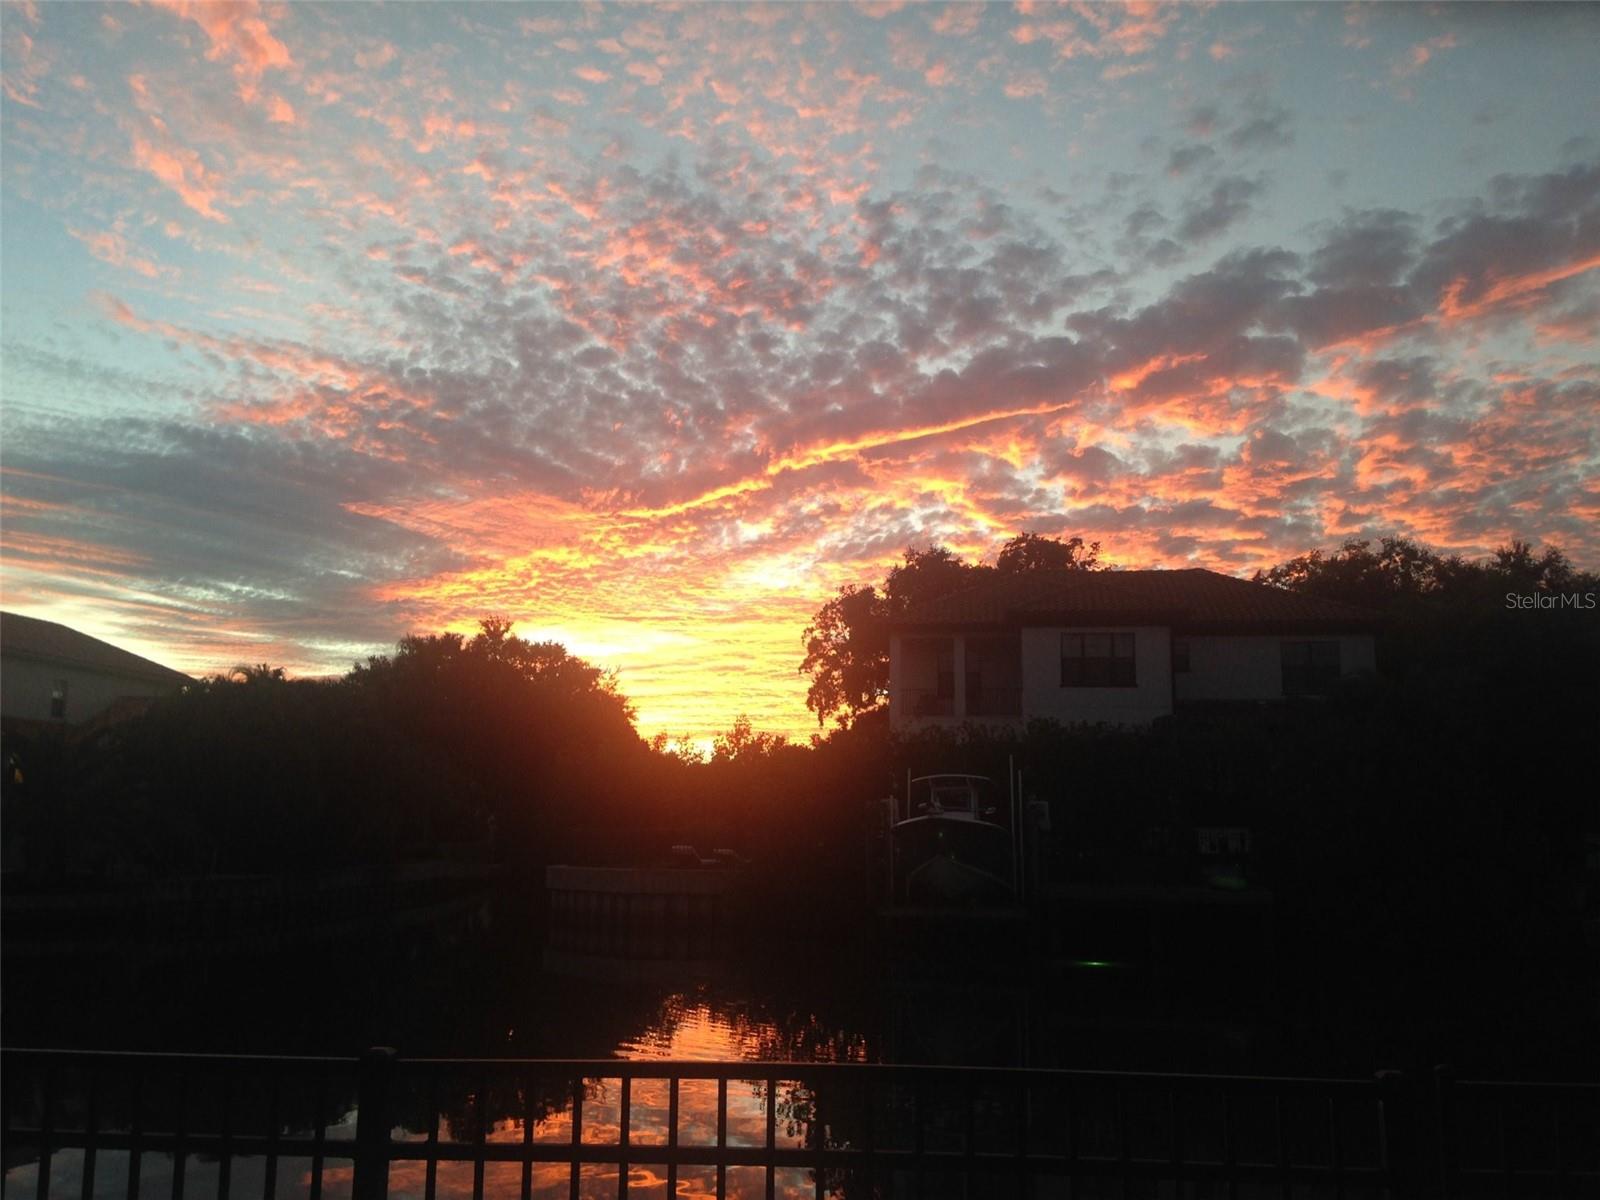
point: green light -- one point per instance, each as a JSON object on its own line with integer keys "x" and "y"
{"x": 1091, "y": 962}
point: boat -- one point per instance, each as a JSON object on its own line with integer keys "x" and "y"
{"x": 948, "y": 845}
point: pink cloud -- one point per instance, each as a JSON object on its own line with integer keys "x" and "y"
{"x": 27, "y": 66}
{"x": 1024, "y": 84}
{"x": 1099, "y": 30}
{"x": 541, "y": 26}
{"x": 648, "y": 72}
{"x": 1422, "y": 53}
{"x": 379, "y": 56}
{"x": 958, "y": 20}
{"x": 181, "y": 170}
{"x": 1118, "y": 71}
{"x": 239, "y": 34}
{"x": 280, "y": 111}
{"x": 110, "y": 246}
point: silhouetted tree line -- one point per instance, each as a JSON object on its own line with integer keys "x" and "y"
{"x": 1434, "y": 817}
{"x": 448, "y": 743}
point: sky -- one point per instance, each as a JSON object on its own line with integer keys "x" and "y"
{"x": 650, "y": 326}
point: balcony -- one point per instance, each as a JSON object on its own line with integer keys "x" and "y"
{"x": 994, "y": 702}
{"x": 926, "y": 702}
{"x": 917, "y": 703}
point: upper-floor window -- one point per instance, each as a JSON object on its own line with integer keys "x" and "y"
{"x": 1310, "y": 668}
{"x": 1180, "y": 656}
{"x": 1097, "y": 660}
{"x": 58, "y": 699}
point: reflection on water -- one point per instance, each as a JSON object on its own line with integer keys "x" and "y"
{"x": 682, "y": 1027}
{"x": 697, "y": 1028}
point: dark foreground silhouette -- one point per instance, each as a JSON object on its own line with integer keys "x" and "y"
{"x": 1428, "y": 837}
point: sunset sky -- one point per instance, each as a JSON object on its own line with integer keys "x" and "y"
{"x": 650, "y": 326}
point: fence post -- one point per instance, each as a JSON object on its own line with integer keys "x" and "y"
{"x": 374, "y": 1105}
{"x": 1397, "y": 1121}
{"x": 1444, "y": 1127}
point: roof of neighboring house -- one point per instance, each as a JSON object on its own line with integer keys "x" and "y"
{"x": 29, "y": 637}
{"x": 1192, "y": 599}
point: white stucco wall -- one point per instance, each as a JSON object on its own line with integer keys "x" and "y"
{"x": 1043, "y": 695}
{"x": 26, "y": 684}
{"x": 1251, "y": 667}
{"x": 896, "y": 671}
{"x": 1221, "y": 668}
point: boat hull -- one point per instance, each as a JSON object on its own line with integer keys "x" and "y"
{"x": 952, "y": 861}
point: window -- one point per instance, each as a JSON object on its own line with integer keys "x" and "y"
{"x": 1180, "y": 656}
{"x": 945, "y": 686}
{"x": 1310, "y": 668}
{"x": 1097, "y": 660}
{"x": 58, "y": 700}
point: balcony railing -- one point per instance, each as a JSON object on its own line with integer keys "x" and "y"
{"x": 926, "y": 702}
{"x": 379, "y": 1126}
{"x": 981, "y": 702}
{"x": 994, "y": 702}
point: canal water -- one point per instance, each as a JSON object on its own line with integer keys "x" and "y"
{"x": 849, "y": 999}
{"x": 961, "y": 999}
{"x": 806, "y": 1001}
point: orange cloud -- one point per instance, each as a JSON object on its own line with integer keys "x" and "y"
{"x": 821, "y": 453}
{"x": 47, "y": 552}
{"x": 1129, "y": 380}
{"x": 1506, "y": 292}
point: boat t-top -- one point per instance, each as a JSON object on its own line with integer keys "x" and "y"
{"x": 952, "y": 843}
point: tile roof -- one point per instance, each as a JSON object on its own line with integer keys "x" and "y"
{"x": 29, "y": 637}
{"x": 1190, "y": 599}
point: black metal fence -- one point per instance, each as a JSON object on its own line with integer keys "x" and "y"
{"x": 132, "y": 1125}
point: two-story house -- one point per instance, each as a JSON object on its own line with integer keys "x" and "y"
{"x": 1118, "y": 647}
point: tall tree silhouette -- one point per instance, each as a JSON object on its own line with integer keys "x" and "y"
{"x": 1035, "y": 552}
{"x": 847, "y": 651}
